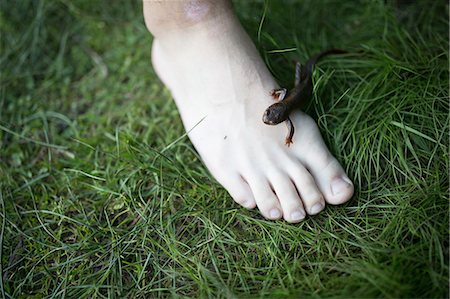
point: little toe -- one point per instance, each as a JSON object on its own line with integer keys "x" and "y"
{"x": 265, "y": 198}
{"x": 288, "y": 197}
{"x": 238, "y": 189}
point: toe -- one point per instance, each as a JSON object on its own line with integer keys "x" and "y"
{"x": 238, "y": 189}
{"x": 329, "y": 175}
{"x": 288, "y": 197}
{"x": 265, "y": 198}
{"x": 312, "y": 198}
{"x": 338, "y": 186}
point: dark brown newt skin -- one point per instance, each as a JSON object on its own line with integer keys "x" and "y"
{"x": 298, "y": 96}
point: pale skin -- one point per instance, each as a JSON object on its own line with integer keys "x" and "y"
{"x": 222, "y": 87}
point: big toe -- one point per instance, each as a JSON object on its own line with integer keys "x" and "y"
{"x": 330, "y": 177}
{"x": 334, "y": 183}
{"x": 341, "y": 190}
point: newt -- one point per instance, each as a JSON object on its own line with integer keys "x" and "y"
{"x": 297, "y": 97}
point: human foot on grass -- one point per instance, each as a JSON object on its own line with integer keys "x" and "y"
{"x": 222, "y": 87}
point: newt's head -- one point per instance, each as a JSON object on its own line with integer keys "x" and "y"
{"x": 275, "y": 114}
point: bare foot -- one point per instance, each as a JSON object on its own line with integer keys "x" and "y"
{"x": 222, "y": 87}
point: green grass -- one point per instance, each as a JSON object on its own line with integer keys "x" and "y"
{"x": 101, "y": 194}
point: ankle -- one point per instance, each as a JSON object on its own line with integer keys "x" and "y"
{"x": 164, "y": 17}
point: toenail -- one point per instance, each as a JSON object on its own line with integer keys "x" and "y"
{"x": 297, "y": 215}
{"x": 275, "y": 213}
{"x": 248, "y": 204}
{"x": 340, "y": 185}
{"x": 316, "y": 208}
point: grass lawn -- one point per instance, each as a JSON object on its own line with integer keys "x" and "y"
{"x": 103, "y": 195}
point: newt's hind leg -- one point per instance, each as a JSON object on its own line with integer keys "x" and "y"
{"x": 278, "y": 94}
{"x": 299, "y": 75}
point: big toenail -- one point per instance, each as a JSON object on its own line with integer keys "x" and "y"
{"x": 275, "y": 213}
{"x": 316, "y": 208}
{"x": 340, "y": 185}
{"x": 297, "y": 215}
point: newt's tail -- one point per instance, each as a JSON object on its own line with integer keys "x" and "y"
{"x": 311, "y": 62}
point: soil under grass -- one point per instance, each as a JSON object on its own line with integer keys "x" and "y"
{"x": 102, "y": 194}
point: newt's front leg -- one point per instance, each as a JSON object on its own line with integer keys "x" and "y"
{"x": 290, "y": 126}
{"x": 278, "y": 94}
